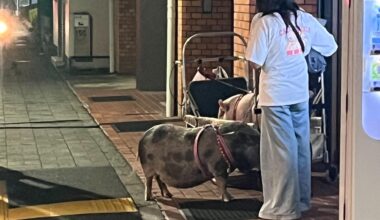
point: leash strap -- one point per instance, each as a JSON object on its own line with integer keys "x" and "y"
{"x": 257, "y": 84}
{"x": 196, "y": 152}
{"x": 224, "y": 150}
{"x": 256, "y": 109}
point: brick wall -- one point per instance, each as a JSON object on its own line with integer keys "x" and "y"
{"x": 125, "y": 36}
{"x": 244, "y": 11}
{"x": 191, "y": 20}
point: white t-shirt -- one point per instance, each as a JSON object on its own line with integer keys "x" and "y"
{"x": 284, "y": 77}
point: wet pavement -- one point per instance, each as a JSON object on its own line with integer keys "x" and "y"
{"x": 53, "y": 155}
{"x": 200, "y": 202}
{"x": 60, "y": 148}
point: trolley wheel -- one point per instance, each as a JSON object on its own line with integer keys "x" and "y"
{"x": 259, "y": 181}
{"x": 332, "y": 174}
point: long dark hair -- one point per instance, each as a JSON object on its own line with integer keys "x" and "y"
{"x": 283, "y": 7}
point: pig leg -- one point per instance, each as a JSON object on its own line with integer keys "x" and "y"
{"x": 164, "y": 189}
{"x": 221, "y": 182}
{"x": 148, "y": 188}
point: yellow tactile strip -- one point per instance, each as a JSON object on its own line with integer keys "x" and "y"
{"x": 119, "y": 205}
{"x": 73, "y": 208}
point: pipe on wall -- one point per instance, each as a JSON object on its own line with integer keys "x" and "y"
{"x": 17, "y": 8}
{"x": 170, "y": 58}
{"x": 62, "y": 27}
{"x": 111, "y": 36}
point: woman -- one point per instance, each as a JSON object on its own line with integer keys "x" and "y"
{"x": 285, "y": 146}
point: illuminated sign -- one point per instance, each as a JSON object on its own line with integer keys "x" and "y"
{"x": 371, "y": 69}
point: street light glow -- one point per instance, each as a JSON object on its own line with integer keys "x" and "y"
{"x": 10, "y": 27}
{"x": 3, "y": 27}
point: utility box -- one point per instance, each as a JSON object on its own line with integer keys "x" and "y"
{"x": 82, "y": 35}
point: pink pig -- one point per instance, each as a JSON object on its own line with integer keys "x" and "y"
{"x": 239, "y": 108}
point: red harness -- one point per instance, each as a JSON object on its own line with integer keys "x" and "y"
{"x": 223, "y": 148}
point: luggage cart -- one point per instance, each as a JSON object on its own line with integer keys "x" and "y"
{"x": 321, "y": 164}
{"x": 200, "y": 103}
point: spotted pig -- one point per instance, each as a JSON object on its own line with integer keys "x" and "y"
{"x": 166, "y": 154}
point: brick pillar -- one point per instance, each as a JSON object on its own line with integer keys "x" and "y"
{"x": 192, "y": 20}
{"x": 244, "y": 10}
{"x": 126, "y": 36}
{"x": 243, "y": 13}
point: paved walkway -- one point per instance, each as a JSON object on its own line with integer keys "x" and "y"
{"x": 200, "y": 202}
{"x": 52, "y": 150}
{"x": 48, "y": 137}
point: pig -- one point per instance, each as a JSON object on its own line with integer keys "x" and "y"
{"x": 239, "y": 108}
{"x": 166, "y": 154}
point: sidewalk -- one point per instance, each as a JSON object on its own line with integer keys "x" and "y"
{"x": 52, "y": 151}
{"x": 201, "y": 202}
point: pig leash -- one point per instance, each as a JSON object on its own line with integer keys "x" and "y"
{"x": 223, "y": 148}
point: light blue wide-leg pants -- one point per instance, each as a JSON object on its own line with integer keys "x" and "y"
{"x": 285, "y": 161}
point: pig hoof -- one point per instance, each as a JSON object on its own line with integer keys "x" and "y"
{"x": 168, "y": 195}
{"x": 149, "y": 198}
{"x": 226, "y": 198}
{"x": 213, "y": 181}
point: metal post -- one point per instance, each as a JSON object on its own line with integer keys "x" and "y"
{"x": 170, "y": 58}
{"x": 60, "y": 29}
{"x": 111, "y": 36}
{"x": 62, "y": 5}
{"x": 17, "y": 8}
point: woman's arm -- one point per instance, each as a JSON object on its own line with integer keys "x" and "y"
{"x": 322, "y": 41}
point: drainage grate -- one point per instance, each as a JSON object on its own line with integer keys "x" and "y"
{"x": 112, "y": 98}
{"x": 135, "y": 126}
{"x": 218, "y": 210}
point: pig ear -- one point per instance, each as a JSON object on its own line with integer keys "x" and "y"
{"x": 222, "y": 105}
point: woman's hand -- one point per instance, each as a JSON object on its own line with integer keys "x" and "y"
{"x": 254, "y": 66}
